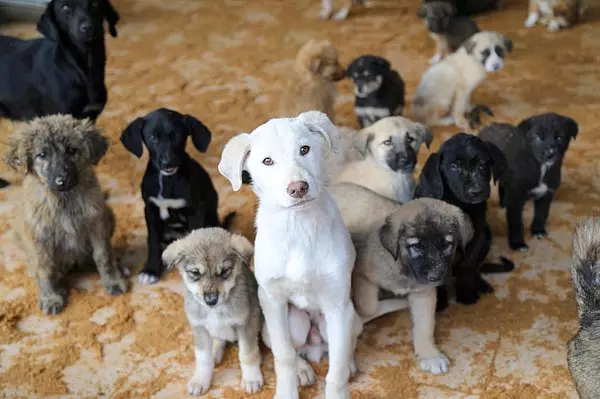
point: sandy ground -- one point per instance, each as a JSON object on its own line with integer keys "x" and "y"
{"x": 224, "y": 62}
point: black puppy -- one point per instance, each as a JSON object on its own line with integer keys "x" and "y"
{"x": 534, "y": 152}
{"x": 63, "y": 72}
{"x": 460, "y": 174}
{"x": 178, "y": 193}
{"x": 379, "y": 90}
{"x": 472, "y": 7}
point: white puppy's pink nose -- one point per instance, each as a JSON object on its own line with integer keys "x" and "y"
{"x": 297, "y": 189}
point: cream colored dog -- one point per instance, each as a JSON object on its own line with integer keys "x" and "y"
{"x": 444, "y": 93}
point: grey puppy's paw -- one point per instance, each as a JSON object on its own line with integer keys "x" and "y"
{"x": 115, "y": 286}
{"x": 52, "y": 303}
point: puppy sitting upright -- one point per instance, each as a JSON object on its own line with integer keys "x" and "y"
{"x": 447, "y": 29}
{"x": 379, "y": 90}
{"x": 63, "y": 220}
{"x": 444, "y": 93}
{"x": 311, "y": 85}
{"x": 221, "y": 302}
{"x": 535, "y": 152}
{"x": 178, "y": 193}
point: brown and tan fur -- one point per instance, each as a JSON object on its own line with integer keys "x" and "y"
{"x": 311, "y": 86}
{"x": 380, "y": 229}
{"x": 221, "y": 302}
{"x": 584, "y": 348}
{"x": 555, "y": 14}
{"x": 61, "y": 229}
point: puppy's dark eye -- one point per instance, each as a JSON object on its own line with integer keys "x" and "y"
{"x": 500, "y": 51}
{"x": 66, "y": 8}
{"x": 268, "y": 161}
{"x": 486, "y": 53}
{"x": 225, "y": 273}
{"x": 194, "y": 274}
{"x": 388, "y": 142}
{"x": 304, "y": 150}
{"x": 41, "y": 155}
{"x": 409, "y": 139}
{"x": 71, "y": 151}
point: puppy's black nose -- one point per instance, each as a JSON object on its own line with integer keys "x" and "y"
{"x": 211, "y": 298}
{"x": 297, "y": 189}
{"x": 60, "y": 181}
{"x": 86, "y": 27}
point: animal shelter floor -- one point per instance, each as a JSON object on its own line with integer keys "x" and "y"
{"x": 224, "y": 62}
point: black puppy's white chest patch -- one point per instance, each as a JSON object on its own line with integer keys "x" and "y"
{"x": 165, "y": 204}
{"x": 542, "y": 188}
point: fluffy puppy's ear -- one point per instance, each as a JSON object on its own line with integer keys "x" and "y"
{"x": 424, "y": 134}
{"x": 319, "y": 122}
{"x": 94, "y": 143}
{"x": 233, "y": 159}
{"x": 242, "y": 247}
{"x": 201, "y": 136}
{"x": 572, "y": 128}
{"x": 508, "y": 45}
{"x": 389, "y": 235}
{"x": 112, "y": 17}
{"x": 18, "y": 155}
{"x": 132, "y": 137}
{"x": 430, "y": 180}
{"x": 173, "y": 255}
{"x": 47, "y": 25}
{"x": 498, "y": 160}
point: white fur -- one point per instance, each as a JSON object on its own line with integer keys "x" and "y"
{"x": 164, "y": 204}
{"x": 303, "y": 252}
{"x": 532, "y": 19}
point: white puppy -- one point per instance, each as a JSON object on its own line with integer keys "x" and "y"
{"x": 303, "y": 251}
{"x": 444, "y": 93}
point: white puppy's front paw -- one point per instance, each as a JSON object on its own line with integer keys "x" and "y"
{"x": 252, "y": 379}
{"x": 531, "y": 20}
{"x": 305, "y": 373}
{"x": 199, "y": 384}
{"x": 437, "y": 364}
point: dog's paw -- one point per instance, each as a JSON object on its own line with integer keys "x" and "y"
{"x": 531, "y": 20}
{"x": 437, "y": 364}
{"x": 252, "y": 379}
{"x": 540, "y": 234}
{"x": 518, "y": 246}
{"x": 52, "y": 303}
{"x": 148, "y": 278}
{"x": 199, "y": 384}
{"x": 335, "y": 391}
{"x": 305, "y": 373}
{"x": 342, "y": 14}
{"x": 482, "y": 286}
{"x": 116, "y": 286}
{"x": 553, "y": 26}
{"x": 435, "y": 59}
{"x": 325, "y": 13}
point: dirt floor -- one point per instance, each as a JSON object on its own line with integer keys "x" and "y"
{"x": 224, "y": 62}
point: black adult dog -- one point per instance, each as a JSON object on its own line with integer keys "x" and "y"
{"x": 534, "y": 151}
{"x": 63, "y": 72}
{"x": 460, "y": 174}
{"x": 178, "y": 193}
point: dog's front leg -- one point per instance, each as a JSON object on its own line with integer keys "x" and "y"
{"x": 51, "y": 294}
{"x": 340, "y": 331}
{"x": 249, "y": 354}
{"x": 200, "y": 381}
{"x": 422, "y": 310}
{"x": 114, "y": 283}
{"x": 153, "y": 268}
{"x": 277, "y": 322}
{"x": 542, "y": 209}
{"x": 533, "y": 16}
{"x": 514, "y": 219}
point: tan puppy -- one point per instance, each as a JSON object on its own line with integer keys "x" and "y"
{"x": 404, "y": 249}
{"x": 384, "y": 157}
{"x": 221, "y": 302}
{"x": 554, "y": 14}
{"x": 311, "y": 86}
{"x": 444, "y": 93}
{"x": 342, "y": 13}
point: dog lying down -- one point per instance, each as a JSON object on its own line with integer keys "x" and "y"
{"x": 303, "y": 251}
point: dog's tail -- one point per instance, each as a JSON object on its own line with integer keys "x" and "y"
{"x": 388, "y": 306}
{"x": 506, "y": 265}
{"x": 585, "y": 268}
{"x": 227, "y": 220}
{"x": 3, "y": 183}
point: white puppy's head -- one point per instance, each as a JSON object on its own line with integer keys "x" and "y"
{"x": 285, "y": 158}
{"x": 489, "y": 48}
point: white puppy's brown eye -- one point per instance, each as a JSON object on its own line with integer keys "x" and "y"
{"x": 388, "y": 141}
{"x": 267, "y": 161}
{"x": 304, "y": 150}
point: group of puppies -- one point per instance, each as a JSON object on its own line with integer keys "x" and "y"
{"x": 345, "y": 233}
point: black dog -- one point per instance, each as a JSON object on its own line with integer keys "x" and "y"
{"x": 534, "y": 152}
{"x": 472, "y": 7}
{"x": 379, "y": 90}
{"x": 178, "y": 193}
{"x": 63, "y": 72}
{"x": 460, "y": 174}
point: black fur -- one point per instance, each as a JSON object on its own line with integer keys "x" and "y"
{"x": 387, "y": 99}
{"x": 539, "y": 139}
{"x": 460, "y": 174}
{"x": 442, "y": 19}
{"x": 63, "y": 72}
{"x": 165, "y": 133}
{"x": 473, "y": 7}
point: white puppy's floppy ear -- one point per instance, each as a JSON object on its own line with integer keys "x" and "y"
{"x": 319, "y": 122}
{"x": 233, "y": 158}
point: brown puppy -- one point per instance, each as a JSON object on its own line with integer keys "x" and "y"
{"x": 554, "y": 14}
{"x": 312, "y": 84}
{"x": 62, "y": 217}
{"x": 584, "y": 348}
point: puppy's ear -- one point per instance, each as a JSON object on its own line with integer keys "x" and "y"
{"x": 572, "y": 127}
{"x": 201, "y": 136}
{"x": 173, "y": 254}
{"x": 363, "y": 142}
{"x": 233, "y": 158}
{"x": 95, "y": 144}
{"x": 430, "y": 180}
{"x": 242, "y": 247}
{"x": 425, "y": 134}
{"x": 469, "y": 45}
{"x": 382, "y": 63}
{"x": 319, "y": 122}
{"x": 508, "y": 45}
{"x": 18, "y": 154}
{"x": 315, "y": 65}
{"x": 132, "y": 137}
{"x": 389, "y": 235}
{"x": 112, "y": 17}
{"x": 47, "y": 25}
{"x": 498, "y": 160}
